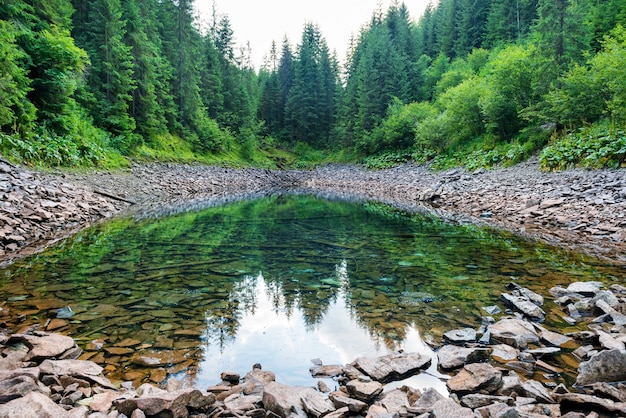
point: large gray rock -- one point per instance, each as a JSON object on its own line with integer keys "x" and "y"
{"x": 524, "y": 306}
{"x": 168, "y": 404}
{"x": 606, "y": 366}
{"x": 395, "y": 401}
{"x": 590, "y": 402}
{"x": 16, "y": 387}
{"x": 426, "y": 402}
{"x": 393, "y": 366}
{"x": 316, "y": 404}
{"x": 354, "y": 405}
{"x": 452, "y": 356}
{"x": 534, "y": 389}
{"x": 476, "y": 377}
{"x": 460, "y": 336}
{"x": 447, "y": 408}
{"x": 282, "y": 399}
{"x": 81, "y": 369}
{"x": 33, "y": 404}
{"x": 364, "y": 391}
{"x": 477, "y": 400}
{"x": 514, "y": 332}
{"x": 585, "y": 288}
{"x": 43, "y": 345}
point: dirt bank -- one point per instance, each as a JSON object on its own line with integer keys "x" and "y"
{"x": 578, "y": 209}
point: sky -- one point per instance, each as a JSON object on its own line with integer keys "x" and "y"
{"x": 261, "y": 21}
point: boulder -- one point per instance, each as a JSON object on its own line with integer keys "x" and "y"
{"x": 476, "y": 377}
{"x": 43, "y": 345}
{"x": 452, "y": 356}
{"x": 606, "y": 366}
{"x": 16, "y": 387}
{"x": 585, "y": 288}
{"x": 393, "y": 366}
{"x": 579, "y": 401}
{"x": 364, "y": 391}
{"x": 170, "y": 404}
{"x": 446, "y": 408}
{"x": 33, "y": 404}
{"x": 514, "y": 332}
{"x": 524, "y": 305}
{"x": 354, "y": 405}
{"x": 395, "y": 401}
{"x": 281, "y": 399}
{"x": 81, "y": 369}
{"x": 326, "y": 371}
{"x": 317, "y": 404}
{"x": 460, "y": 336}
{"x": 477, "y": 400}
{"x": 503, "y": 353}
{"x": 426, "y": 402}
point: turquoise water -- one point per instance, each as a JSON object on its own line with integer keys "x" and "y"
{"x": 279, "y": 281}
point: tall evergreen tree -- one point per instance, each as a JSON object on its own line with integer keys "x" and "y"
{"x": 110, "y": 79}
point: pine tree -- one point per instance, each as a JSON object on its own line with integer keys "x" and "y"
{"x": 110, "y": 78}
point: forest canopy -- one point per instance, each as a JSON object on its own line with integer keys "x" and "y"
{"x": 471, "y": 82}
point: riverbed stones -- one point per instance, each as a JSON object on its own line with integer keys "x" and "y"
{"x": 460, "y": 336}
{"x": 173, "y": 404}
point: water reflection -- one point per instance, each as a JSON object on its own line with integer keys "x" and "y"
{"x": 279, "y": 280}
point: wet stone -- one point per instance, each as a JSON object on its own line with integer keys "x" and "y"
{"x": 460, "y": 336}
{"x": 476, "y": 377}
{"x": 452, "y": 357}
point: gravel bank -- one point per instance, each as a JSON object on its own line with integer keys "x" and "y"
{"x": 578, "y": 209}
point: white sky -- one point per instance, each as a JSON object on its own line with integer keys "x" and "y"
{"x": 261, "y": 21}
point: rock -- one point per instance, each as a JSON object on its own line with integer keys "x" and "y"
{"x": 339, "y": 413}
{"x": 173, "y": 404}
{"x": 584, "y": 402}
{"x": 377, "y": 411}
{"x": 524, "y": 306}
{"x": 81, "y": 369}
{"x": 393, "y": 366}
{"x": 536, "y": 390}
{"x": 316, "y": 404}
{"x": 523, "y": 292}
{"x": 555, "y": 339}
{"x": 608, "y": 342}
{"x": 326, "y": 371}
{"x": 33, "y": 404}
{"x": 102, "y": 402}
{"x": 280, "y": 399}
{"x": 446, "y": 408}
{"x": 604, "y": 390}
{"x": 606, "y": 366}
{"x": 239, "y": 404}
{"x": 354, "y": 405}
{"x": 426, "y": 402}
{"x": 44, "y": 345}
{"x": 395, "y": 401}
{"x": 230, "y": 377}
{"x": 585, "y": 288}
{"x": 16, "y": 387}
{"x": 503, "y": 353}
{"x": 364, "y": 391}
{"x": 476, "y": 400}
{"x": 514, "y": 332}
{"x": 476, "y": 377}
{"x": 617, "y": 317}
{"x": 460, "y": 336}
{"x": 452, "y": 357}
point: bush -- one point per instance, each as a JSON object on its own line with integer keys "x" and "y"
{"x": 593, "y": 147}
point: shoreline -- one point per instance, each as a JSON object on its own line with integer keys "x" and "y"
{"x": 579, "y": 210}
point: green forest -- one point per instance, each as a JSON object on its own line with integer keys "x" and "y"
{"x": 471, "y": 82}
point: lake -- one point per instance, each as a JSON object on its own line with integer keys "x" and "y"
{"x": 280, "y": 280}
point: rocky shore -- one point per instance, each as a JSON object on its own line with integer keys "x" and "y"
{"x": 505, "y": 368}
{"x": 577, "y": 209}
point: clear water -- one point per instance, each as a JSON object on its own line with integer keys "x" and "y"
{"x": 278, "y": 281}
